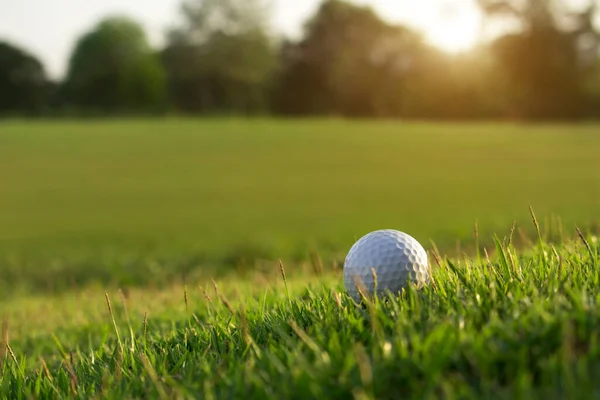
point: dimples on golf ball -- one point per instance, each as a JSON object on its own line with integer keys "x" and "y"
{"x": 396, "y": 257}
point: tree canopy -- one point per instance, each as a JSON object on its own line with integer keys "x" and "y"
{"x": 23, "y": 82}
{"x": 221, "y": 57}
{"x": 113, "y": 69}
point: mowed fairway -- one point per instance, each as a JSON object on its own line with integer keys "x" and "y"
{"x": 110, "y": 234}
{"x": 214, "y": 191}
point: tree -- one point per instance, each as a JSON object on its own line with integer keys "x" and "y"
{"x": 221, "y": 58}
{"x": 113, "y": 70}
{"x": 543, "y": 60}
{"x": 23, "y": 82}
{"x": 349, "y": 62}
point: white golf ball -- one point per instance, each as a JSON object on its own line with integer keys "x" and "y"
{"x": 397, "y": 258}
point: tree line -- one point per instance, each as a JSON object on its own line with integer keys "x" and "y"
{"x": 222, "y": 59}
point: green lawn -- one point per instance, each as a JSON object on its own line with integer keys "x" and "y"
{"x": 197, "y": 193}
{"x": 158, "y": 208}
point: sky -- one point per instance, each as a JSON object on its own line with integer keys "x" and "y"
{"x": 49, "y": 28}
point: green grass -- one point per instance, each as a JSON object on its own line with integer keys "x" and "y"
{"x": 518, "y": 325}
{"x": 151, "y": 201}
{"x": 145, "y": 213}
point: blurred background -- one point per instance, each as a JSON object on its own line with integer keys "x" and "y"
{"x": 142, "y": 141}
{"x": 467, "y": 59}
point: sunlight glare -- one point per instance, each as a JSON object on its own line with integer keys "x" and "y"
{"x": 451, "y": 25}
{"x": 454, "y": 28}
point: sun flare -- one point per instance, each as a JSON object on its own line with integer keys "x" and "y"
{"x": 453, "y": 28}
{"x": 451, "y": 25}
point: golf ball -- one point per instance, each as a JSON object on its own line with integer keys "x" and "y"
{"x": 397, "y": 258}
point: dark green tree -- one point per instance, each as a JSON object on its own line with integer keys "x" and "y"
{"x": 221, "y": 59}
{"x": 24, "y": 87}
{"x": 544, "y": 59}
{"x": 349, "y": 62}
{"x": 113, "y": 70}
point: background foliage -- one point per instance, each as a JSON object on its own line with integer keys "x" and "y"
{"x": 222, "y": 58}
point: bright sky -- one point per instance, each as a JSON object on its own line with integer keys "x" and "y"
{"x": 48, "y": 28}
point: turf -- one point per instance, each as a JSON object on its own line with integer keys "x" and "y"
{"x": 147, "y": 202}
{"x": 111, "y": 233}
{"x": 518, "y": 324}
